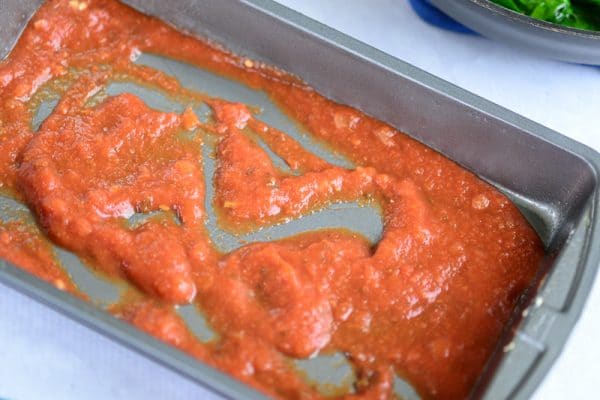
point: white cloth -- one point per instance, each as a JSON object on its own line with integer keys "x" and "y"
{"x": 46, "y": 355}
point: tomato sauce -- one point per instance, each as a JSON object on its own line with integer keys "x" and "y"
{"x": 428, "y": 302}
{"x": 23, "y": 245}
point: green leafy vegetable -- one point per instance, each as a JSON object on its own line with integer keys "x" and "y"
{"x": 582, "y": 14}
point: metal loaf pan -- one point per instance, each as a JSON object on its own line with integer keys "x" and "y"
{"x": 550, "y": 177}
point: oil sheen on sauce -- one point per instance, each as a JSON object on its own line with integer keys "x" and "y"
{"x": 428, "y": 302}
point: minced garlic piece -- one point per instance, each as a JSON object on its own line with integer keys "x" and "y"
{"x": 78, "y": 5}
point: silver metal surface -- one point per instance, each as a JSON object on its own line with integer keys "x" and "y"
{"x": 538, "y": 37}
{"x": 551, "y": 178}
{"x": 13, "y": 18}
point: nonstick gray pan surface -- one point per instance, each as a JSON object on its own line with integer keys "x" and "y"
{"x": 552, "y": 179}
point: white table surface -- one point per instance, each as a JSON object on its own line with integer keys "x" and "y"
{"x": 45, "y": 355}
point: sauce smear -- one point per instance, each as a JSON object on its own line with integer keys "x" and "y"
{"x": 428, "y": 302}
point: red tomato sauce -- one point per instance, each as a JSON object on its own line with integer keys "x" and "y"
{"x": 428, "y": 302}
{"x": 23, "y": 245}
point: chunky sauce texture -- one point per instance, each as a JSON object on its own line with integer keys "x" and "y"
{"x": 428, "y": 302}
{"x": 23, "y": 245}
